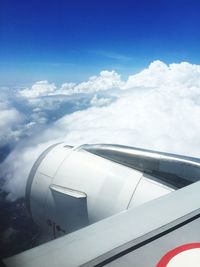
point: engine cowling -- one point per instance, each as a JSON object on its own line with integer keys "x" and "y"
{"x": 69, "y": 188}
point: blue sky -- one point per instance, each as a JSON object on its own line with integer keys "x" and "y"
{"x": 72, "y": 40}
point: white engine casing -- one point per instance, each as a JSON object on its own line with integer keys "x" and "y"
{"x": 69, "y": 188}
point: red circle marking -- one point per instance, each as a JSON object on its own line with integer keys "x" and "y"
{"x": 172, "y": 253}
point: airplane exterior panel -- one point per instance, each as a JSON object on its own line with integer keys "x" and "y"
{"x": 108, "y": 186}
{"x": 105, "y": 186}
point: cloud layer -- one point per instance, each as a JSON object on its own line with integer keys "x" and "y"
{"x": 10, "y": 119}
{"x": 158, "y": 108}
{"x": 158, "y": 74}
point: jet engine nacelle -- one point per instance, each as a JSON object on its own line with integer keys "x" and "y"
{"x": 70, "y": 187}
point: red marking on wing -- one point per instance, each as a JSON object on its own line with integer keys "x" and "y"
{"x": 172, "y": 253}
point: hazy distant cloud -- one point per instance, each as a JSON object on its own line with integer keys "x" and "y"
{"x": 47, "y": 103}
{"x": 101, "y": 101}
{"x": 10, "y": 119}
{"x": 66, "y": 87}
{"x": 158, "y": 108}
{"x": 105, "y": 81}
{"x": 41, "y": 88}
{"x": 10, "y": 131}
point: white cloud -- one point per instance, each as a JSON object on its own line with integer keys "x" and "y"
{"x": 105, "y": 81}
{"x": 10, "y": 119}
{"x": 41, "y": 88}
{"x": 159, "y": 110}
{"x": 100, "y": 101}
{"x": 66, "y": 88}
{"x": 158, "y": 74}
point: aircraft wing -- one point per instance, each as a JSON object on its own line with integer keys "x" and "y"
{"x": 150, "y": 234}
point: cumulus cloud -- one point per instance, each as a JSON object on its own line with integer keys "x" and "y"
{"x": 41, "y": 88}
{"x": 158, "y": 74}
{"x": 158, "y": 108}
{"x": 105, "y": 81}
{"x": 45, "y": 102}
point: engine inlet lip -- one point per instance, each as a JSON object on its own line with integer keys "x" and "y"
{"x": 32, "y": 175}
